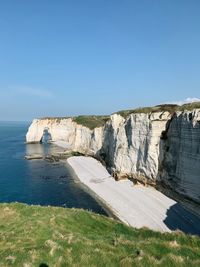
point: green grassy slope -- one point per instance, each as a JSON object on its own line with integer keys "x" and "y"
{"x": 32, "y": 235}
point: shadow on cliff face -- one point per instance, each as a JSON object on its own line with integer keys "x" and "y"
{"x": 179, "y": 218}
{"x": 179, "y": 156}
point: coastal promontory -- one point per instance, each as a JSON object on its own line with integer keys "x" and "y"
{"x": 151, "y": 145}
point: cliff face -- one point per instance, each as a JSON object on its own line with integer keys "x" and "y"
{"x": 77, "y": 137}
{"x": 181, "y": 158}
{"x": 154, "y": 146}
{"x": 132, "y": 146}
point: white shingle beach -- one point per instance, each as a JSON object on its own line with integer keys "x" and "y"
{"x": 137, "y": 206}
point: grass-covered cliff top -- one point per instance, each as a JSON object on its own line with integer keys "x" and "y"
{"x": 32, "y": 235}
{"x": 92, "y": 121}
{"x": 160, "y": 108}
{"x": 56, "y": 119}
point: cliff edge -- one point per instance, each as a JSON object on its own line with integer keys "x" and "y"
{"x": 159, "y": 144}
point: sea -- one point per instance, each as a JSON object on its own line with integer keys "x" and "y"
{"x": 38, "y": 182}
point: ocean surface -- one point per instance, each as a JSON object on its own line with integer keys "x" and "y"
{"x": 37, "y": 181}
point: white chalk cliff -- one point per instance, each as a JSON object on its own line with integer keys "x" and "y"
{"x": 158, "y": 146}
{"x": 77, "y": 137}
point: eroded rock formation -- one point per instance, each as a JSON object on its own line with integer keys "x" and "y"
{"x": 156, "y": 146}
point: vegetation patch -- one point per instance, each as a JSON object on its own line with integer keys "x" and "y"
{"x": 56, "y": 119}
{"x": 91, "y": 122}
{"x": 171, "y": 108}
{"x": 160, "y": 108}
{"x": 76, "y": 154}
{"x": 34, "y": 235}
{"x": 190, "y": 106}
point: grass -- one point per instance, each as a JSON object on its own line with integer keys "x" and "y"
{"x": 32, "y": 235}
{"x": 171, "y": 108}
{"x": 190, "y": 106}
{"x": 91, "y": 121}
{"x": 56, "y": 119}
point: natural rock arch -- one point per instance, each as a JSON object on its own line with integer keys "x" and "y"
{"x": 46, "y": 137}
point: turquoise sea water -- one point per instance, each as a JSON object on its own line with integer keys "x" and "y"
{"x": 37, "y": 181}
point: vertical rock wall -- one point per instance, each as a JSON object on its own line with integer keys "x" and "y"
{"x": 155, "y": 145}
{"x": 181, "y": 160}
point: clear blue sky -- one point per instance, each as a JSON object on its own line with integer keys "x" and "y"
{"x": 72, "y": 57}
